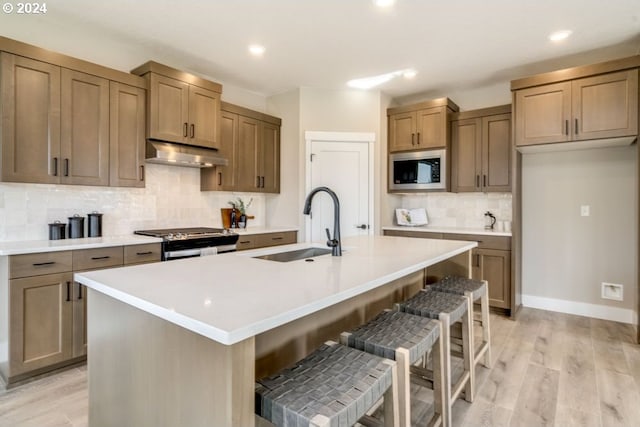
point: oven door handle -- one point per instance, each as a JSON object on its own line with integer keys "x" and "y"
{"x": 182, "y": 254}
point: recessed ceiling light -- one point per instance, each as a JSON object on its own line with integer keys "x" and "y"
{"x": 559, "y": 35}
{"x": 409, "y": 74}
{"x": 256, "y": 49}
{"x": 384, "y": 3}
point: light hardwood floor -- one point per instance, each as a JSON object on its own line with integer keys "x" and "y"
{"x": 549, "y": 369}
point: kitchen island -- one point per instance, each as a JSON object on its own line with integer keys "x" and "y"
{"x": 181, "y": 342}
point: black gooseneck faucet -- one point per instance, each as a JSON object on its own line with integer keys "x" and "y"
{"x": 333, "y": 243}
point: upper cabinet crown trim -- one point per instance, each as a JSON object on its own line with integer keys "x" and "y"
{"x": 577, "y": 72}
{"x": 439, "y": 102}
{"x": 33, "y": 52}
{"x": 490, "y": 111}
{"x": 236, "y": 109}
{"x": 165, "y": 70}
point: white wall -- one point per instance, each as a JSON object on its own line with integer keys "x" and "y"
{"x": 172, "y": 198}
{"x": 567, "y": 256}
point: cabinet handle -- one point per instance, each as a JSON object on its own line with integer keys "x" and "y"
{"x": 66, "y": 167}
{"x": 40, "y": 264}
{"x": 141, "y": 172}
{"x": 144, "y": 253}
{"x": 244, "y": 242}
{"x": 219, "y": 178}
{"x": 477, "y": 181}
{"x": 484, "y": 180}
{"x": 79, "y": 291}
{"x": 257, "y": 182}
{"x": 478, "y": 260}
{"x": 413, "y": 139}
{"x": 95, "y": 258}
{"x": 418, "y": 138}
{"x": 193, "y": 130}
{"x": 277, "y": 238}
{"x": 576, "y": 126}
{"x": 55, "y": 166}
{"x": 566, "y": 127}
{"x": 262, "y": 182}
{"x": 68, "y": 291}
{"x": 184, "y": 129}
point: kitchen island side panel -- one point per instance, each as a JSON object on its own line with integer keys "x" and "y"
{"x": 144, "y": 371}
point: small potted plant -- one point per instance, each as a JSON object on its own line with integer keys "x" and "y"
{"x": 240, "y": 206}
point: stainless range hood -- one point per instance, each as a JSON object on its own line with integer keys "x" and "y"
{"x": 168, "y": 153}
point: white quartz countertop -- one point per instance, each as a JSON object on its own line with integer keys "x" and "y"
{"x": 453, "y": 230}
{"x": 35, "y": 246}
{"x": 231, "y": 297}
{"x": 262, "y": 230}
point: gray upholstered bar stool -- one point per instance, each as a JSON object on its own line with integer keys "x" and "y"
{"x": 448, "y": 308}
{"x": 406, "y": 339}
{"x": 475, "y": 290}
{"x": 334, "y": 386}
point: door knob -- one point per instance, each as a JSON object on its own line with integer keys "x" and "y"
{"x": 362, "y": 226}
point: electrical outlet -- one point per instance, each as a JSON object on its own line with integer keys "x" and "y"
{"x": 585, "y": 210}
{"x": 612, "y": 291}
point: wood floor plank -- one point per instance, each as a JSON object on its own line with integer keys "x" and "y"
{"x": 547, "y": 350}
{"x": 485, "y": 414}
{"x": 619, "y": 399}
{"x": 610, "y": 355}
{"x": 569, "y": 417}
{"x": 536, "y": 405}
{"x": 632, "y": 353}
{"x": 577, "y": 386}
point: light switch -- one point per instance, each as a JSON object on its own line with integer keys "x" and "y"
{"x": 585, "y": 210}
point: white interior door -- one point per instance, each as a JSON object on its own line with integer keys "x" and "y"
{"x": 344, "y": 168}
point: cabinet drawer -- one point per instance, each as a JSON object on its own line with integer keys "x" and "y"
{"x": 276, "y": 239}
{"x": 138, "y": 254}
{"x": 90, "y": 259}
{"x": 39, "y": 264}
{"x": 484, "y": 241}
{"x": 418, "y": 234}
{"x": 246, "y": 242}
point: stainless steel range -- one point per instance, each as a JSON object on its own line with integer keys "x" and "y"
{"x": 193, "y": 242}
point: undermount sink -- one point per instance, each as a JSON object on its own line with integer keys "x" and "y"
{"x": 295, "y": 255}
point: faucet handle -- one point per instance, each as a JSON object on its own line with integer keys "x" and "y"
{"x": 330, "y": 242}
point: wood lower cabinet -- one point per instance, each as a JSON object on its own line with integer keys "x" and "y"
{"x": 30, "y": 134}
{"x": 182, "y": 108}
{"x": 127, "y": 109}
{"x": 263, "y": 240}
{"x": 421, "y": 126}
{"x": 491, "y": 261}
{"x": 597, "y": 107}
{"x": 481, "y": 150}
{"x": 251, "y": 142}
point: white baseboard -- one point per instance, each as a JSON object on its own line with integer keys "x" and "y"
{"x": 623, "y": 315}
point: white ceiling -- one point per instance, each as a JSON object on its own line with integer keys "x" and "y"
{"x": 323, "y": 43}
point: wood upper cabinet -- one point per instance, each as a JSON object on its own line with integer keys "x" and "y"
{"x": 30, "y": 134}
{"x": 251, "y": 142}
{"x": 40, "y": 319}
{"x": 126, "y": 137}
{"x": 481, "y": 151}
{"x": 421, "y": 126}
{"x": 603, "y": 106}
{"x": 84, "y": 130}
{"x": 182, "y": 108}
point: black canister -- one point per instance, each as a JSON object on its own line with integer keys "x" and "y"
{"x": 57, "y": 230}
{"x": 95, "y": 224}
{"x": 76, "y": 226}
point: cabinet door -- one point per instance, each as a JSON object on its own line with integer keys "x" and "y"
{"x": 168, "y": 109}
{"x": 431, "y": 128}
{"x": 543, "y": 114}
{"x": 204, "y": 110}
{"x": 84, "y": 129}
{"x": 30, "y": 105}
{"x": 605, "y": 106}
{"x": 223, "y": 177}
{"x": 466, "y": 155}
{"x": 40, "y": 328}
{"x": 402, "y": 131}
{"x": 248, "y": 178}
{"x": 269, "y": 158}
{"x": 496, "y": 153}
{"x": 495, "y": 267}
{"x": 79, "y": 329}
{"x": 126, "y": 136}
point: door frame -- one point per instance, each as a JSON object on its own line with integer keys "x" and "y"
{"x": 349, "y": 137}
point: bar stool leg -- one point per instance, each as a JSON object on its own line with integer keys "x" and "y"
{"x": 440, "y": 381}
{"x": 404, "y": 385}
{"x": 445, "y": 359}
{"x": 391, "y": 405}
{"x": 468, "y": 352}
{"x": 486, "y": 333}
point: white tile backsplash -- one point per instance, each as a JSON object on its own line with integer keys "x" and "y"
{"x": 172, "y": 198}
{"x": 462, "y": 210}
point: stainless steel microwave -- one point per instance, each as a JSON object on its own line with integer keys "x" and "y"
{"x": 418, "y": 170}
